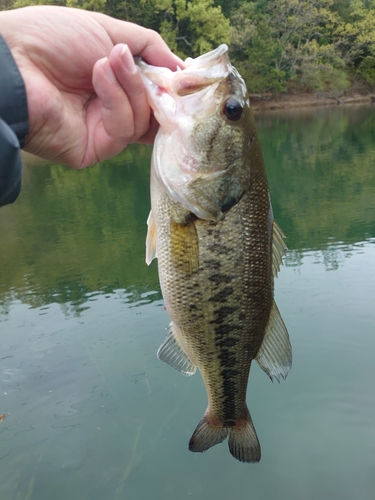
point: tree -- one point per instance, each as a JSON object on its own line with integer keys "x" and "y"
{"x": 191, "y": 28}
{"x": 356, "y": 39}
{"x": 254, "y": 49}
{"x": 281, "y": 42}
{"x": 95, "y": 5}
{"x": 277, "y": 45}
{"x": 25, "y": 3}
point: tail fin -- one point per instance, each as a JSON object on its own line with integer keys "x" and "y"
{"x": 207, "y": 435}
{"x": 243, "y": 441}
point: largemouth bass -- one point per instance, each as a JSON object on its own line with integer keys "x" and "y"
{"x": 211, "y": 228}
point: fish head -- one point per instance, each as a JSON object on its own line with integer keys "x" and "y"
{"x": 201, "y": 151}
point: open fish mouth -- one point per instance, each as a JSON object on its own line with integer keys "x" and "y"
{"x": 208, "y": 59}
{"x": 199, "y": 73}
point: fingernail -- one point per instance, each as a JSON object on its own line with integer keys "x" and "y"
{"x": 107, "y": 68}
{"x": 127, "y": 60}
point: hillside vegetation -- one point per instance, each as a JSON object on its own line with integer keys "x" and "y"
{"x": 277, "y": 45}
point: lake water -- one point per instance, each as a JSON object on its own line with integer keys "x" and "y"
{"x": 93, "y": 415}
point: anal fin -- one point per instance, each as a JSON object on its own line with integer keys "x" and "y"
{"x": 275, "y": 353}
{"x": 172, "y": 353}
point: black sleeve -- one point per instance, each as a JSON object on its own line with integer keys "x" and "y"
{"x": 13, "y": 125}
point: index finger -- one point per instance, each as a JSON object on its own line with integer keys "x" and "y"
{"x": 141, "y": 41}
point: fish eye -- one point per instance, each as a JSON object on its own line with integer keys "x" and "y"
{"x": 232, "y": 109}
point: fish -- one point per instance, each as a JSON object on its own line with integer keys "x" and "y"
{"x": 218, "y": 248}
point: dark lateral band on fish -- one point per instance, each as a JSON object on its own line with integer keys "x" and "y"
{"x": 219, "y": 250}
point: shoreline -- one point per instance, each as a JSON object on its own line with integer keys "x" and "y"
{"x": 268, "y": 102}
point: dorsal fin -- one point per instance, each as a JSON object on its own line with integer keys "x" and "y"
{"x": 278, "y": 248}
{"x": 275, "y": 353}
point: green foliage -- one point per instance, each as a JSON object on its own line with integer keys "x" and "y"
{"x": 367, "y": 69}
{"x": 284, "y": 41}
{"x": 277, "y": 45}
{"x": 321, "y": 69}
{"x": 305, "y": 44}
{"x": 254, "y": 50}
{"x": 27, "y": 3}
{"x": 6, "y": 4}
{"x": 191, "y": 27}
{"x": 95, "y": 5}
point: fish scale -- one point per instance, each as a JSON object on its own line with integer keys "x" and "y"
{"x": 211, "y": 228}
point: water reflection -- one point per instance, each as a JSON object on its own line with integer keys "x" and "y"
{"x": 73, "y": 233}
{"x": 94, "y": 415}
{"x": 320, "y": 165}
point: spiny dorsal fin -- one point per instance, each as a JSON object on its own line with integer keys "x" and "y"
{"x": 172, "y": 353}
{"x": 275, "y": 353}
{"x": 278, "y": 248}
{"x": 150, "y": 239}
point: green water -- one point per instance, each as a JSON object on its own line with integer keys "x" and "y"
{"x": 93, "y": 415}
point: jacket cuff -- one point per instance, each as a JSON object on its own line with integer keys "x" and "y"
{"x": 10, "y": 165}
{"x": 13, "y": 100}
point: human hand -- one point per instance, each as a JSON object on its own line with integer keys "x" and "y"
{"x": 86, "y": 100}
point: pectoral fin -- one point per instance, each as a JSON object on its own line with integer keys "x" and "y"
{"x": 275, "y": 353}
{"x": 184, "y": 246}
{"x": 172, "y": 353}
{"x": 150, "y": 239}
